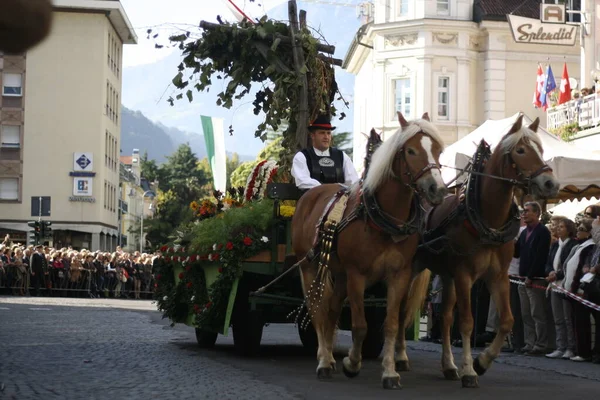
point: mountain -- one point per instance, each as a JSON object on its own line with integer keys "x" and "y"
{"x": 138, "y": 132}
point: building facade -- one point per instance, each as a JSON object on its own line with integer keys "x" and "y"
{"x": 137, "y": 203}
{"x": 60, "y": 120}
{"x": 455, "y": 59}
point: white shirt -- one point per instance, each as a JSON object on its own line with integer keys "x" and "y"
{"x": 513, "y": 269}
{"x": 301, "y": 173}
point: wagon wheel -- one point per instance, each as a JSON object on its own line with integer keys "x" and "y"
{"x": 373, "y": 343}
{"x": 206, "y": 339}
{"x": 247, "y": 333}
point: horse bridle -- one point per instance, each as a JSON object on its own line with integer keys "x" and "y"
{"x": 413, "y": 178}
{"x": 523, "y": 180}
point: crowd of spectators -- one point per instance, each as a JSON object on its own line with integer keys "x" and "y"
{"x": 46, "y": 271}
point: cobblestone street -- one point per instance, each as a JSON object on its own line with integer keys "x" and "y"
{"x": 117, "y": 349}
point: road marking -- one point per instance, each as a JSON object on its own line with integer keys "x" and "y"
{"x": 4, "y": 308}
{"x": 39, "y": 309}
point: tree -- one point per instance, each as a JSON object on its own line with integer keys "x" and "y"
{"x": 230, "y": 165}
{"x": 343, "y": 141}
{"x": 149, "y": 169}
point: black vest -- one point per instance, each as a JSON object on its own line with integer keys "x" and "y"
{"x": 326, "y": 169}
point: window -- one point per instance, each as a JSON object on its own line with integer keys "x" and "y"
{"x": 402, "y": 7}
{"x": 10, "y": 136}
{"x": 443, "y": 83}
{"x": 443, "y": 7}
{"x": 402, "y": 97}
{"x": 12, "y": 85}
{"x": 9, "y": 188}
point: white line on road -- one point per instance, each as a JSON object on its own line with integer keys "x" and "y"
{"x": 4, "y": 308}
{"x": 40, "y": 309}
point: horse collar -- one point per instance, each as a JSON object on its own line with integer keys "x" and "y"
{"x": 473, "y": 204}
{"x": 378, "y": 219}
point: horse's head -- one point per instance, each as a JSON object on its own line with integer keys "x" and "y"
{"x": 410, "y": 156}
{"x": 525, "y": 155}
{"x": 417, "y": 162}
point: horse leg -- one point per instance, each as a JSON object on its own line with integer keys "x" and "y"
{"x": 397, "y": 286}
{"x": 499, "y": 287}
{"x": 463, "y": 284}
{"x": 317, "y": 311}
{"x": 356, "y": 292}
{"x": 401, "y": 358}
{"x": 448, "y": 302}
{"x": 335, "y": 309}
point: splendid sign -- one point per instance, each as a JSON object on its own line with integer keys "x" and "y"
{"x": 551, "y": 28}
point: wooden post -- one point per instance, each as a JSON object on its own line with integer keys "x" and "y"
{"x": 299, "y": 63}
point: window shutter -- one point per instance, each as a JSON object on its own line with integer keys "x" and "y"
{"x": 9, "y": 188}
{"x": 11, "y": 135}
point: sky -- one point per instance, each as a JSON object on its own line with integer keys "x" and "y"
{"x": 148, "y": 71}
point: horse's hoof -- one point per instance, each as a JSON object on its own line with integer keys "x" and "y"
{"x": 451, "y": 375}
{"x": 478, "y": 367}
{"x": 402, "y": 366}
{"x": 333, "y": 366}
{"x": 469, "y": 381}
{"x": 324, "y": 373}
{"x": 391, "y": 383}
{"x": 350, "y": 374}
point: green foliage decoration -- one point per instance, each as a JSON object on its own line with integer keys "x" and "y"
{"x": 245, "y": 54}
{"x": 566, "y": 132}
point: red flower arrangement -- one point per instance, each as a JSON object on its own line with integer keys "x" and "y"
{"x": 229, "y": 246}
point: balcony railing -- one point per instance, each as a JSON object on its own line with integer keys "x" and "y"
{"x": 583, "y": 111}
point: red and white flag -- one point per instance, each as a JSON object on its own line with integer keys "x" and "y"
{"x": 565, "y": 87}
{"x": 538, "y": 87}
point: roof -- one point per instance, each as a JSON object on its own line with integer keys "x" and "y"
{"x": 127, "y": 160}
{"x": 114, "y": 12}
{"x": 496, "y": 10}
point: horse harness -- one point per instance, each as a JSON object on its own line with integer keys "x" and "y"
{"x": 468, "y": 211}
{"x": 332, "y": 222}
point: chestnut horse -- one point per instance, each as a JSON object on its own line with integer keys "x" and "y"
{"x": 479, "y": 243}
{"x": 23, "y": 24}
{"x": 377, "y": 243}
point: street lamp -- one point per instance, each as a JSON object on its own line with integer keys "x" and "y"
{"x": 142, "y": 219}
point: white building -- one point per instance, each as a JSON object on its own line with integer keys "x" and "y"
{"x": 455, "y": 59}
{"x": 60, "y": 127}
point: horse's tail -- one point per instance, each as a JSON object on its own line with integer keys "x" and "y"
{"x": 416, "y": 296}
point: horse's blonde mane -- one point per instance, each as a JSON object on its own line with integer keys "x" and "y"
{"x": 509, "y": 141}
{"x": 383, "y": 158}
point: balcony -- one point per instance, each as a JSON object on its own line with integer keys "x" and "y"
{"x": 583, "y": 113}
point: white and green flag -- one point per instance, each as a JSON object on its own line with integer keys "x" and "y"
{"x": 215, "y": 147}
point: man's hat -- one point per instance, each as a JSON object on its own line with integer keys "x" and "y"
{"x": 322, "y": 122}
{"x": 39, "y": 246}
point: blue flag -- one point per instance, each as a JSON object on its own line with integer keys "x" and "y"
{"x": 547, "y": 88}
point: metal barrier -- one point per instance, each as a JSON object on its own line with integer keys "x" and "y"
{"x": 18, "y": 281}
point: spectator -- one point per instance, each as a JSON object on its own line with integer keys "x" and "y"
{"x": 532, "y": 249}
{"x": 561, "y": 307}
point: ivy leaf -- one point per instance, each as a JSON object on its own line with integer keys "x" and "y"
{"x": 189, "y": 95}
{"x": 177, "y": 81}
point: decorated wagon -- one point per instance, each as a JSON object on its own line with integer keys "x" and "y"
{"x": 211, "y": 280}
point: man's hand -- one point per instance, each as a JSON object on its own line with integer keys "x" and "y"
{"x": 528, "y": 282}
{"x": 551, "y": 277}
{"x": 594, "y": 270}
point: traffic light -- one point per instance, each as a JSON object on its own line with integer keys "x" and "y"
{"x": 46, "y": 230}
{"x": 35, "y": 232}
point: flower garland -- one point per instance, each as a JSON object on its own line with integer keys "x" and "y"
{"x": 187, "y": 295}
{"x": 263, "y": 174}
{"x": 251, "y": 182}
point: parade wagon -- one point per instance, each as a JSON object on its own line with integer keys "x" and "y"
{"x": 217, "y": 293}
